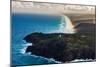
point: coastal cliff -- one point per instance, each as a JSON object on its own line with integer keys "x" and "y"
{"x": 62, "y": 47}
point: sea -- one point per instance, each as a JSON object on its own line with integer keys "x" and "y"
{"x": 23, "y": 24}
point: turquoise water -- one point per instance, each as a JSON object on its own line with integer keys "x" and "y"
{"x": 24, "y": 24}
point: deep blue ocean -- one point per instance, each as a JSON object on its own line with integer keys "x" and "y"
{"x": 24, "y": 24}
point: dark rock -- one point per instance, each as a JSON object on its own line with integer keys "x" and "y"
{"x": 86, "y": 27}
{"x": 65, "y": 48}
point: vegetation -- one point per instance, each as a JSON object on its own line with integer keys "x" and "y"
{"x": 62, "y": 47}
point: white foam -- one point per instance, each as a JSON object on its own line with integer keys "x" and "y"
{"x": 66, "y": 25}
{"x": 24, "y": 48}
{"x": 82, "y": 60}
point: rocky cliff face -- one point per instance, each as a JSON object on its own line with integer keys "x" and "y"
{"x": 86, "y": 26}
{"x": 62, "y": 47}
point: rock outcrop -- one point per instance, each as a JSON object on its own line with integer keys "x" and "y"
{"x": 62, "y": 47}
